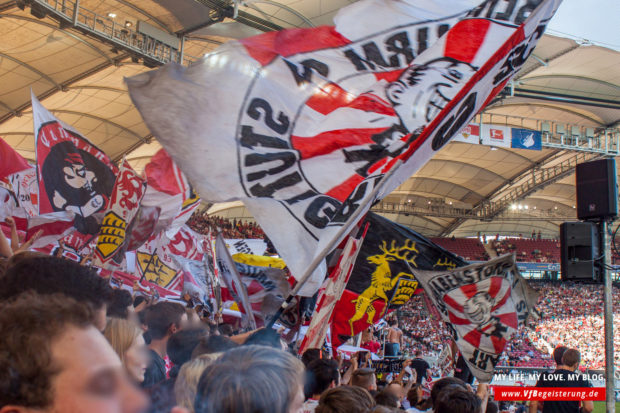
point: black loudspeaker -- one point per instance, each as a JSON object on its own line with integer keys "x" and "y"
{"x": 579, "y": 242}
{"x": 597, "y": 193}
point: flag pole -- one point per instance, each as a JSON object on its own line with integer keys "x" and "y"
{"x": 331, "y": 245}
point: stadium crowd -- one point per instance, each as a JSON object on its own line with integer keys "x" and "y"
{"x": 230, "y": 229}
{"x": 72, "y": 343}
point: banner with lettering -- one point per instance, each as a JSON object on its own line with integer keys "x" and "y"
{"x": 74, "y": 175}
{"x": 482, "y": 305}
{"x": 302, "y": 124}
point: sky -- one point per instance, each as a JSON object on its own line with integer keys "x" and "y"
{"x": 594, "y": 20}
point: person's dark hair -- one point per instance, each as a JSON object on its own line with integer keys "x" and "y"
{"x": 117, "y": 308}
{"x": 213, "y": 344}
{"x": 30, "y": 324}
{"x": 571, "y": 357}
{"x": 558, "y": 352}
{"x": 319, "y": 375}
{"x": 250, "y": 379}
{"x": 161, "y": 316}
{"x": 384, "y": 409}
{"x": 455, "y": 399}
{"x": 50, "y": 275}
{"x": 181, "y": 345}
{"x": 393, "y": 321}
{"x": 139, "y": 299}
{"x": 226, "y": 329}
{"x": 310, "y": 355}
{"x": 345, "y": 399}
{"x": 364, "y": 378}
{"x": 492, "y": 407}
{"x": 385, "y": 398}
{"x": 442, "y": 384}
{"x": 264, "y": 337}
{"x": 412, "y": 394}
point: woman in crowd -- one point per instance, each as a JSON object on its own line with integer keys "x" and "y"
{"x": 126, "y": 339}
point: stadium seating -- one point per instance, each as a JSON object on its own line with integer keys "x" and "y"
{"x": 471, "y": 249}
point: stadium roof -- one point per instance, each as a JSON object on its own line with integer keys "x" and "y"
{"x": 78, "y": 74}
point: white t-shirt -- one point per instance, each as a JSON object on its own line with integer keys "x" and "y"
{"x": 310, "y": 405}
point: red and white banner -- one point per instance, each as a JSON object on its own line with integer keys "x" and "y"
{"x": 128, "y": 191}
{"x": 169, "y": 190}
{"x": 330, "y": 293}
{"x": 74, "y": 175}
{"x": 54, "y": 225}
{"x": 10, "y": 161}
{"x": 302, "y": 124}
{"x": 469, "y": 134}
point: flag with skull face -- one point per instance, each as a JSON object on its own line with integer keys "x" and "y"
{"x": 303, "y": 124}
{"x": 482, "y": 306}
{"x": 74, "y": 175}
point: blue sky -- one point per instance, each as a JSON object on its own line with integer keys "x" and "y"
{"x": 594, "y": 20}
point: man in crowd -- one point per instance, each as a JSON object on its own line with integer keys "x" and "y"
{"x": 50, "y": 275}
{"x": 394, "y": 338}
{"x": 163, "y": 320}
{"x": 54, "y": 359}
{"x": 321, "y": 375}
{"x": 366, "y": 379}
{"x": 565, "y": 375}
{"x": 421, "y": 367}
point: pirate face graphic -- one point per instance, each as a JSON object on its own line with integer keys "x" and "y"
{"x": 422, "y": 91}
{"x": 478, "y": 308}
{"x": 77, "y": 181}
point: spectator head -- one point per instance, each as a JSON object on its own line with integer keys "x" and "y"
{"x": 455, "y": 399}
{"x": 345, "y": 399}
{"x": 127, "y": 341}
{"x": 181, "y": 345}
{"x": 121, "y": 304}
{"x": 187, "y": 380}
{"x": 226, "y": 330}
{"x": 415, "y": 394}
{"x": 384, "y": 409}
{"x": 213, "y": 344}
{"x": 321, "y": 374}
{"x": 251, "y": 379}
{"x": 310, "y": 355}
{"x": 393, "y": 322}
{"x": 265, "y": 337}
{"x": 164, "y": 319}
{"x": 558, "y": 352}
{"x": 55, "y": 359}
{"x": 396, "y": 389}
{"x": 364, "y": 378}
{"x": 492, "y": 407}
{"x": 443, "y": 383}
{"x": 571, "y": 358}
{"x": 388, "y": 399}
{"x": 50, "y": 275}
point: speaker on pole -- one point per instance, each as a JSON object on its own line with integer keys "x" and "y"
{"x": 597, "y": 192}
{"x": 579, "y": 242}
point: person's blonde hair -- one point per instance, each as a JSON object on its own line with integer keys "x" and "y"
{"x": 121, "y": 335}
{"x": 187, "y": 380}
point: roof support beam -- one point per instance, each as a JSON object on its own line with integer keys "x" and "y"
{"x": 32, "y": 69}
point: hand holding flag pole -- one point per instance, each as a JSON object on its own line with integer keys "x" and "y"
{"x": 355, "y": 216}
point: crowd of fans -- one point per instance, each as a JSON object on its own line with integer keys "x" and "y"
{"x": 230, "y": 229}
{"x": 72, "y": 343}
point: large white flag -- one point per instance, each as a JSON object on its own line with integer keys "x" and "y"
{"x": 302, "y": 124}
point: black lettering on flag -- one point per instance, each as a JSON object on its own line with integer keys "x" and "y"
{"x": 253, "y": 111}
{"x": 321, "y": 211}
{"x": 286, "y": 159}
{"x": 454, "y": 123}
{"x": 400, "y": 46}
{"x": 268, "y": 190}
{"x": 309, "y": 66}
{"x": 249, "y": 139}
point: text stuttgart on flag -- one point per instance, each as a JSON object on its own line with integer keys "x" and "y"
{"x": 302, "y": 124}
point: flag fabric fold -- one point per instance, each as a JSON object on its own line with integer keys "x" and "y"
{"x": 302, "y": 124}
{"x": 227, "y": 271}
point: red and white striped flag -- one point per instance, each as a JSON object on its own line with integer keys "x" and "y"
{"x": 331, "y": 292}
{"x": 54, "y": 225}
{"x": 302, "y": 124}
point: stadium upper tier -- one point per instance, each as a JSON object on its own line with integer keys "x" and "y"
{"x": 74, "y": 60}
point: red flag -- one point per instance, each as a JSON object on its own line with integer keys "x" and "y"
{"x": 10, "y": 161}
{"x": 54, "y": 225}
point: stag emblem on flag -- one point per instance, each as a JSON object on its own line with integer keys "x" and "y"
{"x": 383, "y": 281}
